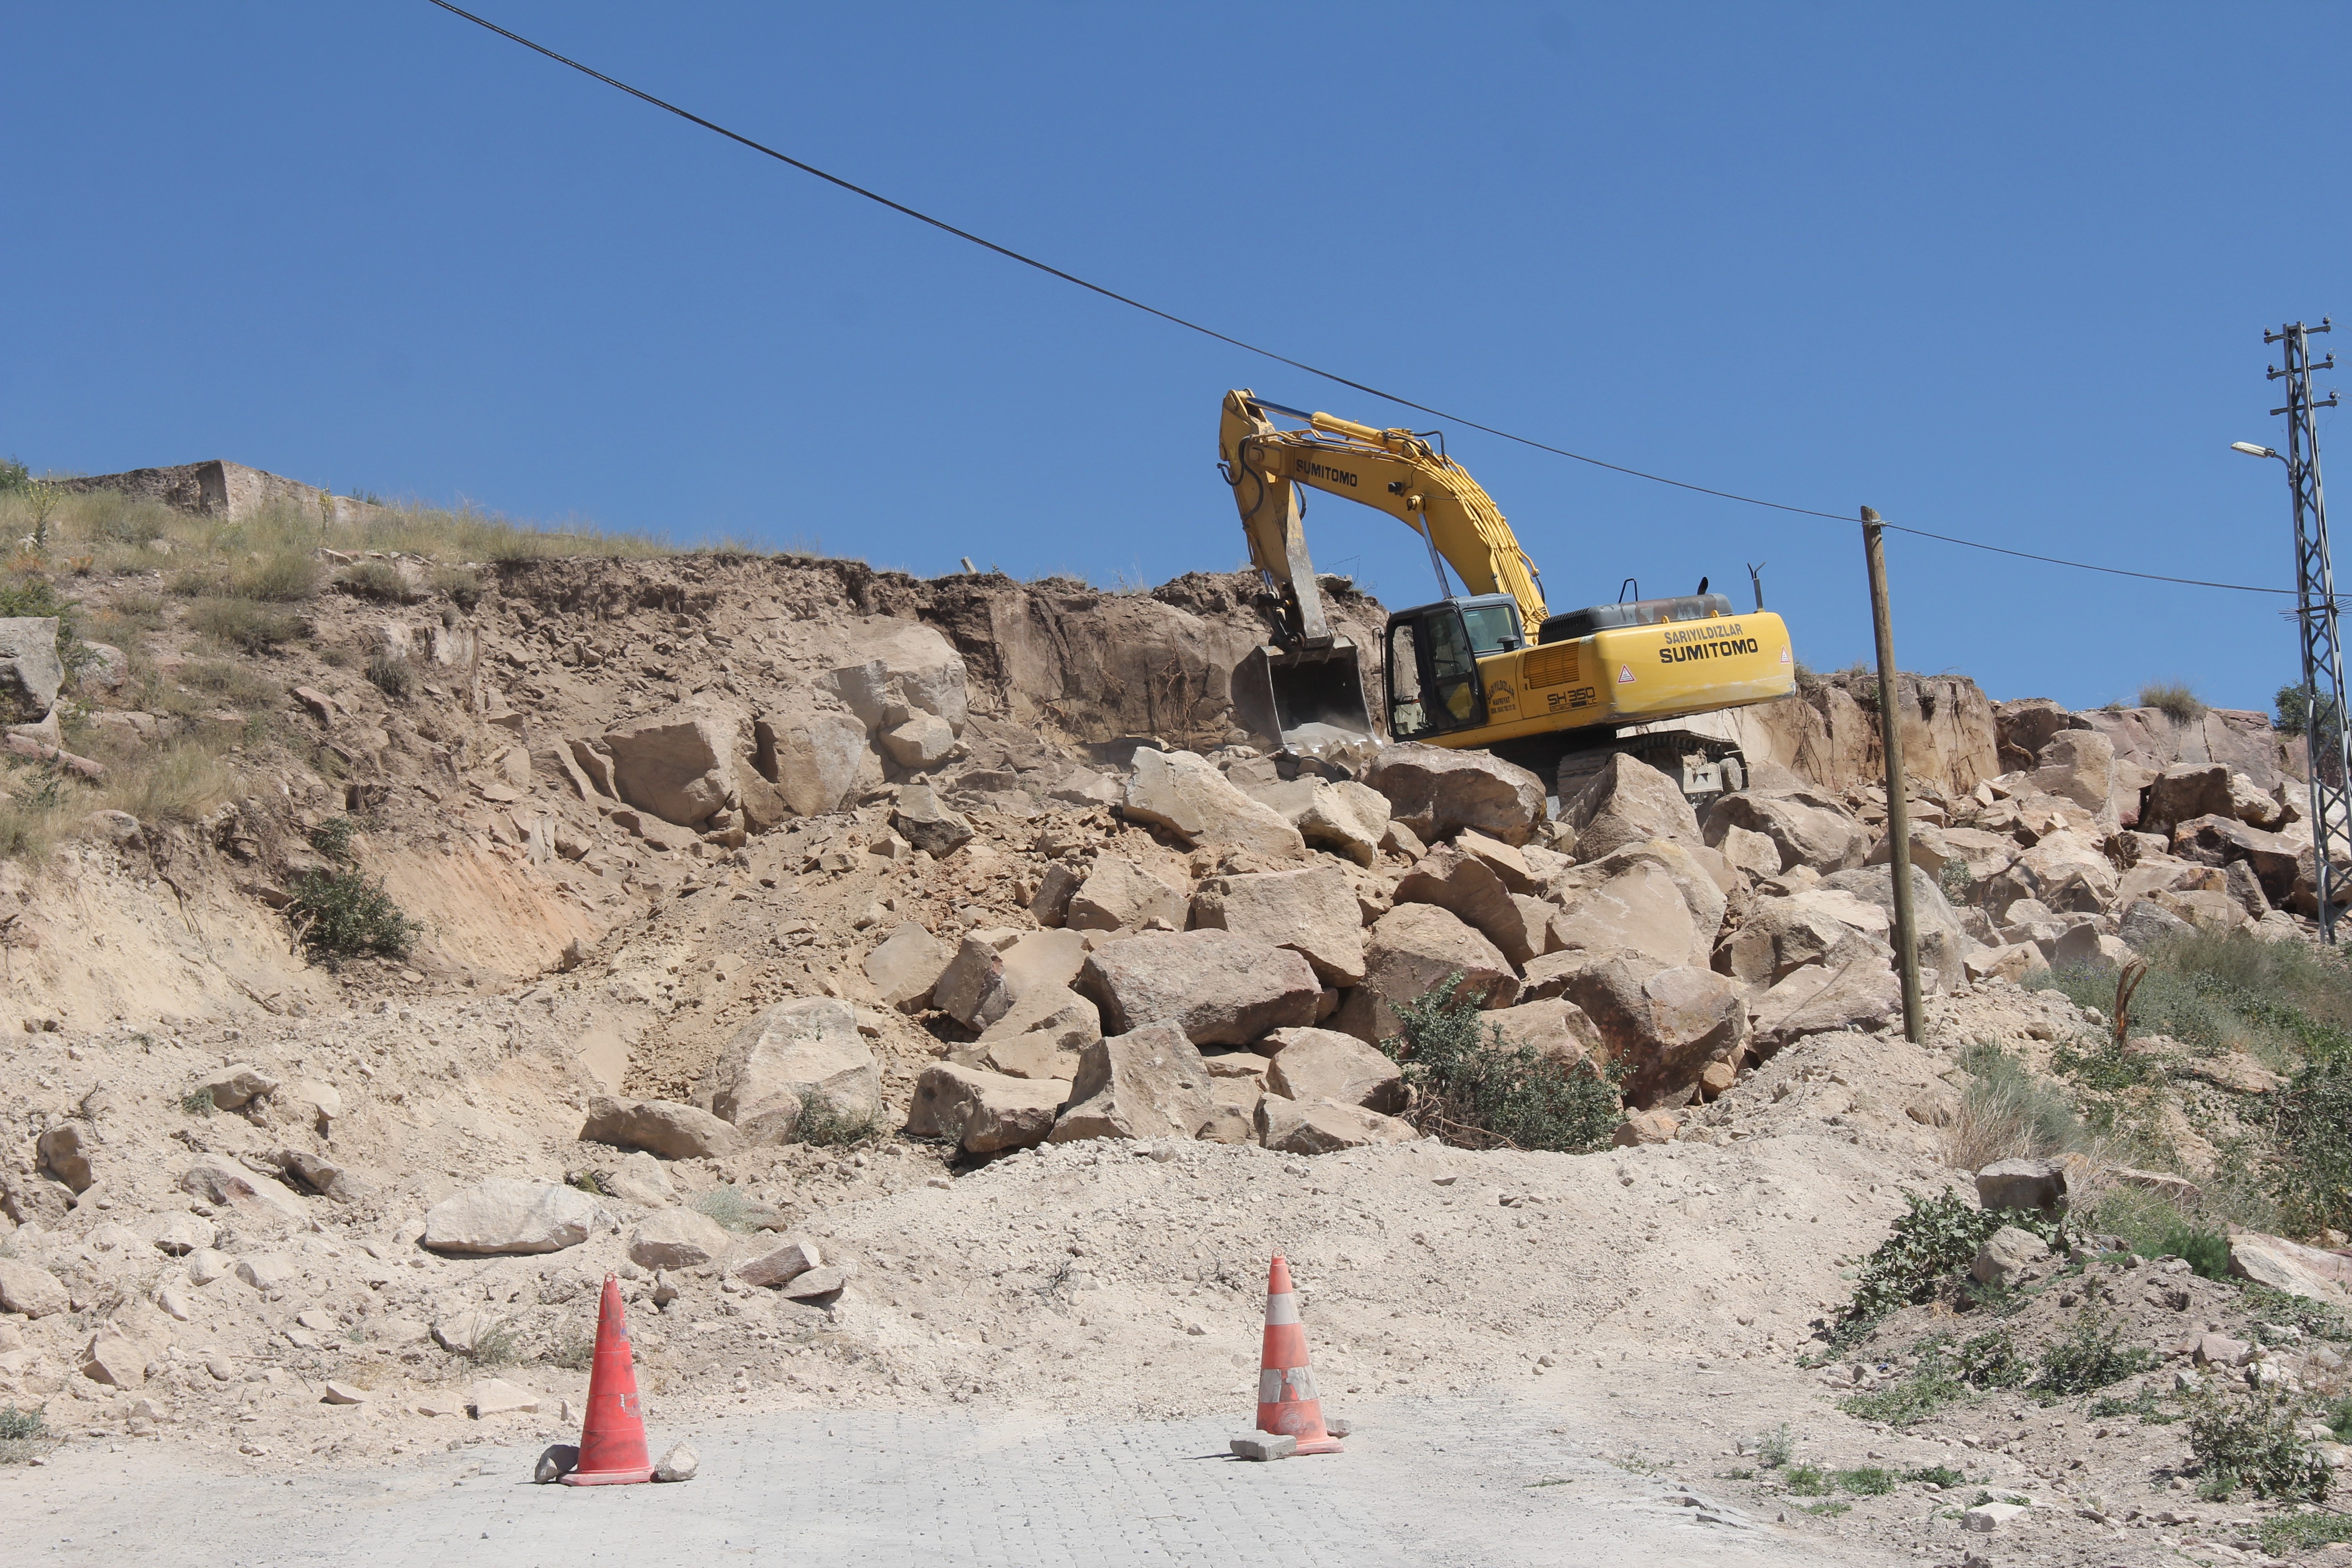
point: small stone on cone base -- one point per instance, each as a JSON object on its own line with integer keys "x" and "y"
{"x": 678, "y": 1465}
{"x": 559, "y": 1461}
{"x": 1264, "y": 1445}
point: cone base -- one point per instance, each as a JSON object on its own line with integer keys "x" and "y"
{"x": 618, "y": 1478}
{"x": 1322, "y": 1445}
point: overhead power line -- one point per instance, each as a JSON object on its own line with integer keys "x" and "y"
{"x": 1247, "y": 347}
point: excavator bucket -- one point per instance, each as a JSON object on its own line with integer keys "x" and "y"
{"x": 1312, "y": 697}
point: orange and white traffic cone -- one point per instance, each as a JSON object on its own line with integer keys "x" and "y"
{"x": 612, "y": 1437}
{"x": 1287, "y": 1405}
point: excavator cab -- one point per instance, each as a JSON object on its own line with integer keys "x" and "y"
{"x": 1433, "y": 655}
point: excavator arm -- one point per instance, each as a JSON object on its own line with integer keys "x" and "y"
{"x": 1393, "y": 471}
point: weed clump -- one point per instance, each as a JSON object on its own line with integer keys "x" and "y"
{"x": 333, "y": 838}
{"x": 1935, "y": 1237}
{"x": 343, "y": 914}
{"x": 2174, "y": 700}
{"x": 249, "y": 626}
{"x": 378, "y": 580}
{"x": 2253, "y": 1442}
{"x": 2312, "y": 1130}
{"x": 2088, "y": 1357}
{"x": 2007, "y": 1112}
{"x": 392, "y": 675}
{"x": 24, "y": 1434}
{"x": 1475, "y": 1091}
{"x": 827, "y": 1125}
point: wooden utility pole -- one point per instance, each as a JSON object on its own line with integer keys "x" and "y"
{"x": 1898, "y": 810}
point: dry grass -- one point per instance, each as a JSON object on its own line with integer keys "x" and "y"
{"x": 2007, "y": 1112}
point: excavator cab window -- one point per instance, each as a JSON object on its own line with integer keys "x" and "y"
{"x": 1493, "y": 627}
{"x": 1433, "y": 674}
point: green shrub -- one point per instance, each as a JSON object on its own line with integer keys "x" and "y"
{"x": 342, "y": 914}
{"x": 1806, "y": 1481}
{"x": 2142, "y": 1404}
{"x": 199, "y": 1102}
{"x": 499, "y": 1345}
{"x": 244, "y": 623}
{"x": 1472, "y": 1090}
{"x": 1775, "y": 1448}
{"x": 2150, "y": 1225}
{"x": 1942, "y": 1476}
{"x": 2286, "y": 1532}
{"x": 2312, "y": 1135}
{"x": 17, "y": 1425}
{"x": 391, "y": 674}
{"x": 2088, "y": 1358}
{"x": 1870, "y": 1480}
{"x": 1934, "y": 1239}
{"x": 732, "y": 1209}
{"x": 333, "y": 839}
{"x": 2253, "y": 1441}
{"x": 2174, "y": 700}
{"x": 1992, "y": 1360}
{"x": 14, "y": 476}
{"x": 1955, "y": 880}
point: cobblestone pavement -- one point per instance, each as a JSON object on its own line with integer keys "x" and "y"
{"x": 1478, "y": 1482}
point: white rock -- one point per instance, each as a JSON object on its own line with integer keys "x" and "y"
{"x": 680, "y": 1463}
{"x": 503, "y": 1215}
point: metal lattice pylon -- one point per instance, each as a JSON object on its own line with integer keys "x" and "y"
{"x": 2324, "y": 736}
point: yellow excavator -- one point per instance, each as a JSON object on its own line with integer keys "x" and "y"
{"x": 1490, "y": 667}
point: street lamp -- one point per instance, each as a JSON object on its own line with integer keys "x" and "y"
{"x": 2251, "y": 450}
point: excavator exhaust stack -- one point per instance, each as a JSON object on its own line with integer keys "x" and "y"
{"x": 1313, "y": 699}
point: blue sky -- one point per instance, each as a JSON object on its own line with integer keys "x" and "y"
{"x": 1999, "y": 271}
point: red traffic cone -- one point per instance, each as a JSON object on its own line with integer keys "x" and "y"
{"x": 612, "y": 1437}
{"x": 1287, "y": 1405}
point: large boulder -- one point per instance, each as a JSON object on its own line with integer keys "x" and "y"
{"x": 983, "y": 1112}
{"x": 1411, "y": 951}
{"x": 2218, "y": 840}
{"x": 1040, "y": 1037}
{"x": 2289, "y": 1265}
{"x": 1626, "y": 801}
{"x": 1661, "y": 1024}
{"x": 1120, "y": 895}
{"x": 1470, "y": 888}
{"x": 1859, "y": 992}
{"x": 678, "y": 1238}
{"x": 1807, "y": 830}
{"x": 1185, "y": 794}
{"x": 662, "y": 1127}
{"x": 1943, "y": 944}
{"x": 28, "y": 1287}
{"x": 31, "y": 670}
{"x": 817, "y": 760}
{"x": 1820, "y": 925}
{"x": 2063, "y": 870}
{"x": 897, "y": 664}
{"x": 927, "y": 824}
{"x": 1148, "y": 1083}
{"x": 679, "y": 765}
{"x": 2078, "y": 765}
{"x": 1324, "y": 1126}
{"x": 791, "y": 1058}
{"x": 2185, "y": 790}
{"x": 1553, "y": 1025}
{"x": 223, "y": 1184}
{"x": 1433, "y": 791}
{"x": 905, "y": 965}
{"x": 1323, "y": 1064}
{"x": 505, "y": 1215}
{"x": 1347, "y": 819}
{"x": 2022, "y": 1184}
{"x": 1313, "y": 912}
{"x": 971, "y": 990}
{"x": 1640, "y": 908}
{"x": 1218, "y": 988}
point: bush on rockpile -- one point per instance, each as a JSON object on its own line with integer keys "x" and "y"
{"x": 1473, "y": 1091}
